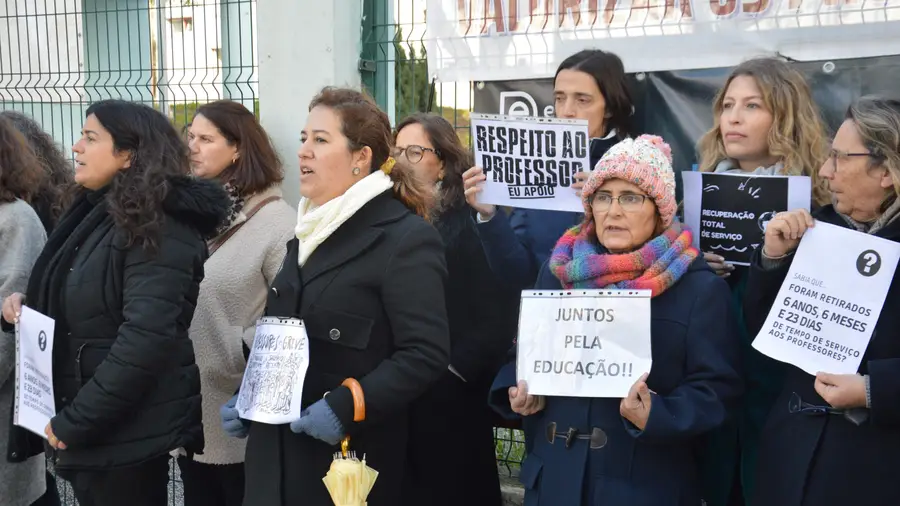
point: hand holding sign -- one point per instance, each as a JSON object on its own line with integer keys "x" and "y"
{"x": 472, "y": 181}
{"x": 523, "y": 403}
{"x": 635, "y": 407}
{"x": 825, "y": 312}
{"x": 842, "y": 391}
{"x": 580, "y": 179}
{"x": 718, "y": 264}
{"x": 52, "y": 439}
{"x": 12, "y": 307}
{"x": 784, "y": 232}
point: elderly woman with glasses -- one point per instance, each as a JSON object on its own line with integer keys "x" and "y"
{"x": 852, "y": 458}
{"x": 639, "y": 450}
{"x": 452, "y": 414}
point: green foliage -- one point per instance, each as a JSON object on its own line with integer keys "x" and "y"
{"x": 181, "y": 114}
{"x": 413, "y": 87}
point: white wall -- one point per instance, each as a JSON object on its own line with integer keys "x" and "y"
{"x": 303, "y": 46}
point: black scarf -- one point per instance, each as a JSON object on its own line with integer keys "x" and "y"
{"x": 46, "y": 285}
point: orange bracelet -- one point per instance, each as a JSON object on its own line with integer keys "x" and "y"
{"x": 359, "y": 401}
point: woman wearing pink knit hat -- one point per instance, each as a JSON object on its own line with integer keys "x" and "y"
{"x": 639, "y": 450}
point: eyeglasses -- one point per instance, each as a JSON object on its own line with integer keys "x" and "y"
{"x": 414, "y": 153}
{"x": 856, "y": 416}
{"x": 629, "y": 202}
{"x": 834, "y": 155}
{"x": 797, "y": 405}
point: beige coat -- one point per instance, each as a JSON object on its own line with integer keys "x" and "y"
{"x": 232, "y": 297}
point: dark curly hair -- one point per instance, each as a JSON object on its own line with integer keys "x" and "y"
{"x": 56, "y": 190}
{"x": 20, "y": 172}
{"x": 157, "y": 154}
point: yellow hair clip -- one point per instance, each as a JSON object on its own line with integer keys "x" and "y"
{"x": 388, "y": 165}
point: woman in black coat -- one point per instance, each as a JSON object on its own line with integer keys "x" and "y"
{"x": 120, "y": 275}
{"x": 366, "y": 276}
{"x": 810, "y": 457}
{"x": 453, "y": 416}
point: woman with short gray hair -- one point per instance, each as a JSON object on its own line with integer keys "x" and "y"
{"x": 805, "y": 455}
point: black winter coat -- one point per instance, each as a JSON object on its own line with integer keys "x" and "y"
{"x": 810, "y": 460}
{"x": 372, "y": 300}
{"x": 453, "y": 416}
{"x": 125, "y": 382}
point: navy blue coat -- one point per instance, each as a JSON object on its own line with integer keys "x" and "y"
{"x": 695, "y": 374}
{"x": 517, "y": 245}
{"x": 807, "y": 460}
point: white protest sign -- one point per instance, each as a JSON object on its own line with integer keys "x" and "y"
{"x": 34, "y": 403}
{"x": 729, "y": 212}
{"x": 827, "y": 307}
{"x": 531, "y": 162}
{"x": 272, "y": 388}
{"x": 583, "y": 343}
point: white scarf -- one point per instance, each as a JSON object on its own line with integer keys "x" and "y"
{"x": 316, "y": 224}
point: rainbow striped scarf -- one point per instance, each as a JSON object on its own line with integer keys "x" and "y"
{"x": 578, "y": 261}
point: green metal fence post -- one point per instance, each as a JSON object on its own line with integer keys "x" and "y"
{"x": 374, "y": 65}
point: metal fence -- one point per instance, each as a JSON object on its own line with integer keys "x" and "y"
{"x": 58, "y": 56}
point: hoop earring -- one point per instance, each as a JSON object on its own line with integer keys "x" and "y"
{"x": 355, "y": 171}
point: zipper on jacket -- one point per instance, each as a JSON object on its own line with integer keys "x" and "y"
{"x": 78, "y": 365}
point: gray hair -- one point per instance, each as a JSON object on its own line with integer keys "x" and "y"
{"x": 877, "y": 121}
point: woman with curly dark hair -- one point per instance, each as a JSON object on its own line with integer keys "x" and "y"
{"x": 55, "y": 192}
{"x": 453, "y": 412}
{"x": 120, "y": 275}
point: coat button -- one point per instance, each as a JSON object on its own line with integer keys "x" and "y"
{"x": 335, "y": 334}
{"x": 14, "y": 455}
{"x": 275, "y": 291}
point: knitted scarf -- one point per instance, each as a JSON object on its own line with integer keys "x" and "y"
{"x": 578, "y": 261}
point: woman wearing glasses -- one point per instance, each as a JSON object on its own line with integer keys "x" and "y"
{"x": 805, "y": 457}
{"x": 638, "y": 450}
{"x": 764, "y": 123}
{"x": 453, "y": 416}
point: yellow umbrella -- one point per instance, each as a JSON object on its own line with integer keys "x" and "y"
{"x": 349, "y": 480}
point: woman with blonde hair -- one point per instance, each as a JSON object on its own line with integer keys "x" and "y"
{"x": 764, "y": 123}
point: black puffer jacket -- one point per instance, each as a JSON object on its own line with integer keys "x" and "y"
{"x": 126, "y": 385}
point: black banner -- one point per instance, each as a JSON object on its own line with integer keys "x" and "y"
{"x": 677, "y": 105}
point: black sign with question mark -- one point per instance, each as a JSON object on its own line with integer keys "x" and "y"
{"x": 868, "y": 263}
{"x": 42, "y": 340}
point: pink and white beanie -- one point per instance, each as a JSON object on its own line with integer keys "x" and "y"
{"x": 645, "y": 162}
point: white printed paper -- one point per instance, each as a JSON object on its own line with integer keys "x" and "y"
{"x": 728, "y": 213}
{"x": 272, "y": 388}
{"x": 34, "y": 404}
{"x": 531, "y": 162}
{"x": 583, "y": 343}
{"x": 827, "y": 307}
